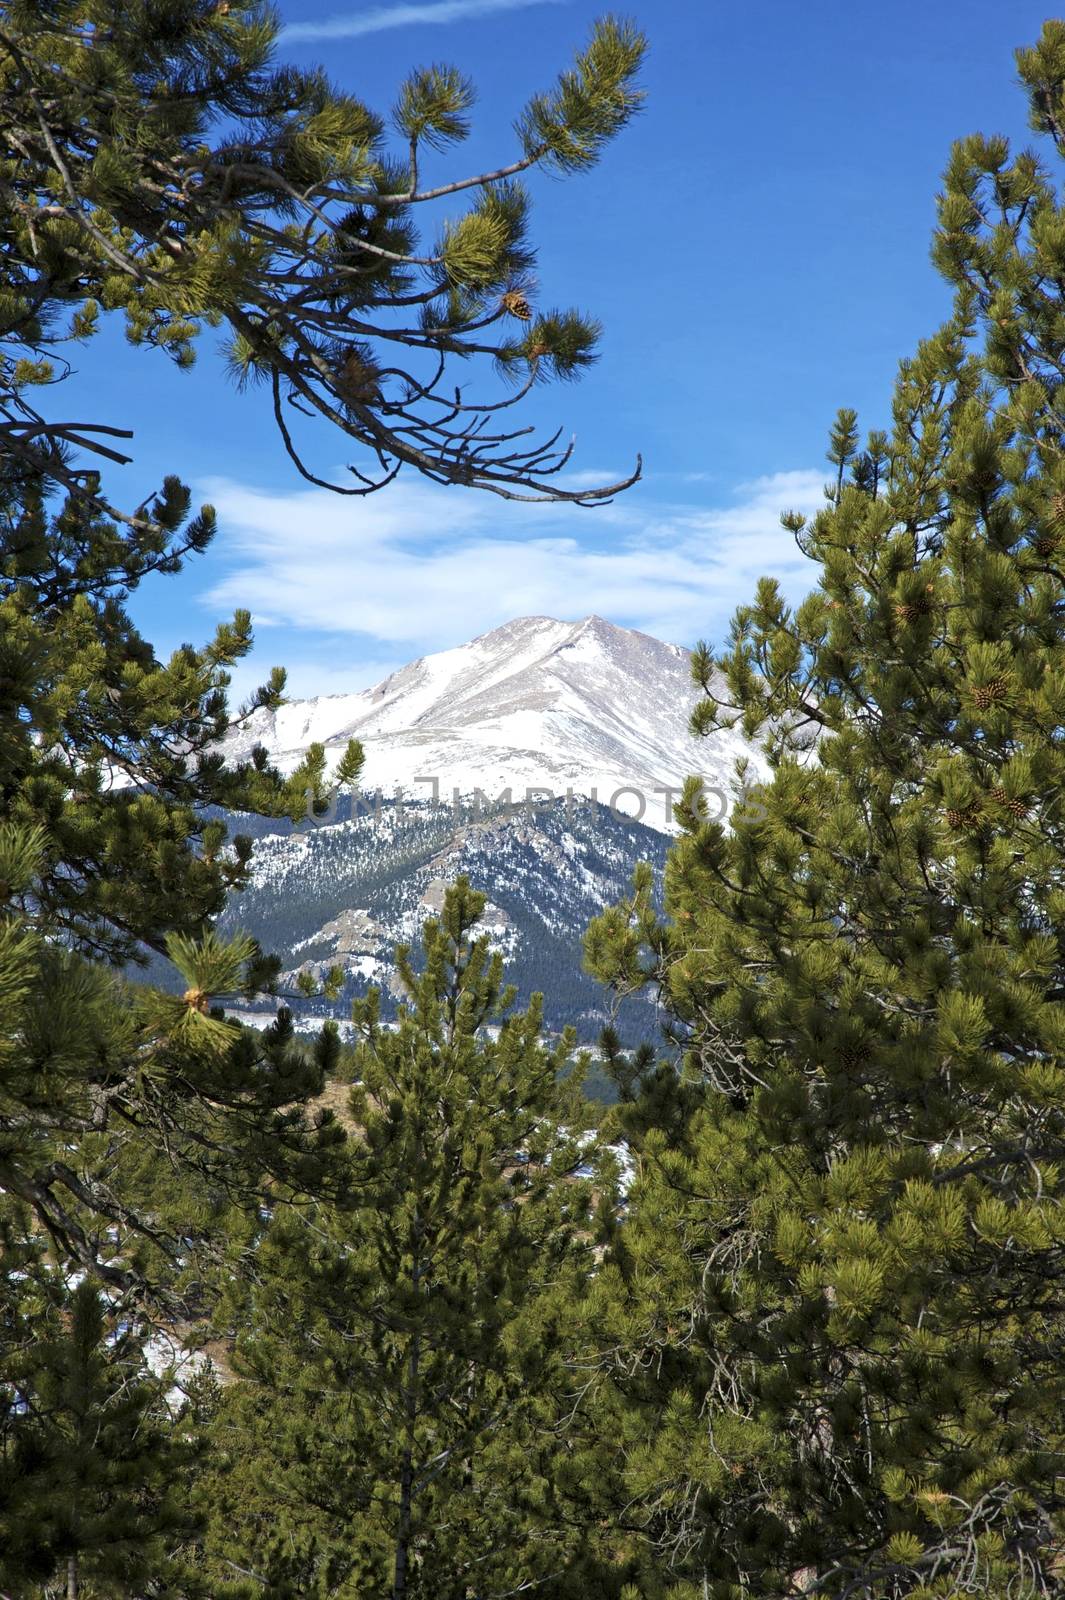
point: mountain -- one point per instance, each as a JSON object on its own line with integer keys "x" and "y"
{"x": 528, "y": 759}
{"x": 345, "y": 892}
{"x": 583, "y": 707}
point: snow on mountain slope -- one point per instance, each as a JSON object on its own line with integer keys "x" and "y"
{"x": 345, "y": 892}
{"x": 587, "y": 707}
{"x": 560, "y": 708}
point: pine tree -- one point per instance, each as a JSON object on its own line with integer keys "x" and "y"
{"x": 137, "y": 1132}
{"x": 90, "y": 1455}
{"x": 108, "y": 749}
{"x": 98, "y": 1073}
{"x": 841, "y": 1282}
{"x": 111, "y": 842}
{"x": 399, "y": 1427}
{"x": 159, "y": 165}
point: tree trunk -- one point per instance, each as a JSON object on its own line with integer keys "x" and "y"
{"x": 399, "y": 1586}
{"x": 410, "y": 1420}
{"x": 72, "y": 1578}
{"x": 406, "y": 1478}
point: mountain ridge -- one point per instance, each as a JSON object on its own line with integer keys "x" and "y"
{"x": 587, "y": 708}
{"x": 579, "y": 713}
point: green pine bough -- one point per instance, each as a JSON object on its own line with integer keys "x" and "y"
{"x": 158, "y": 164}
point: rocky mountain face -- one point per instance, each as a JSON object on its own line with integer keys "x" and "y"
{"x": 539, "y": 759}
{"x": 345, "y": 892}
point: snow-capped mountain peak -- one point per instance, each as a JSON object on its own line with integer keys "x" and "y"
{"x": 587, "y": 708}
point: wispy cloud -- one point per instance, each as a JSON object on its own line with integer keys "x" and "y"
{"x": 417, "y": 569}
{"x": 408, "y": 13}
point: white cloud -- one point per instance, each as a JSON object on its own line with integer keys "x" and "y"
{"x": 421, "y": 568}
{"x": 353, "y": 24}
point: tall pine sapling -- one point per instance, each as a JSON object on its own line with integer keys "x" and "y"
{"x": 404, "y": 1355}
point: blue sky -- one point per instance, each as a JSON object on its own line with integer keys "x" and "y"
{"x": 756, "y": 245}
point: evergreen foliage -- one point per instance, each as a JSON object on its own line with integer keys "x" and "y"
{"x": 818, "y": 1346}
{"x": 160, "y": 165}
{"x": 90, "y": 1456}
{"x": 399, "y": 1427}
{"x": 843, "y": 1272}
{"x": 106, "y": 766}
{"x": 104, "y": 747}
{"x": 157, "y": 166}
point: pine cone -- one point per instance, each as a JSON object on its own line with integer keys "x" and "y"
{"x": 993, "y": 692}
{"x": 906, "y": 611}
{"x": 516, "y": 304}
{"x": 359, "y": 380}
{"x": 1057, "y": 506}
{"x": 1014, "y": 805}
{"x": 1046, "y": 544}
{"x": 963, "y": 819}
{"x": 196, "y": 999}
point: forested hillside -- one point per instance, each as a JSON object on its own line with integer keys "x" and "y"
{"x": 344, "y": 893}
